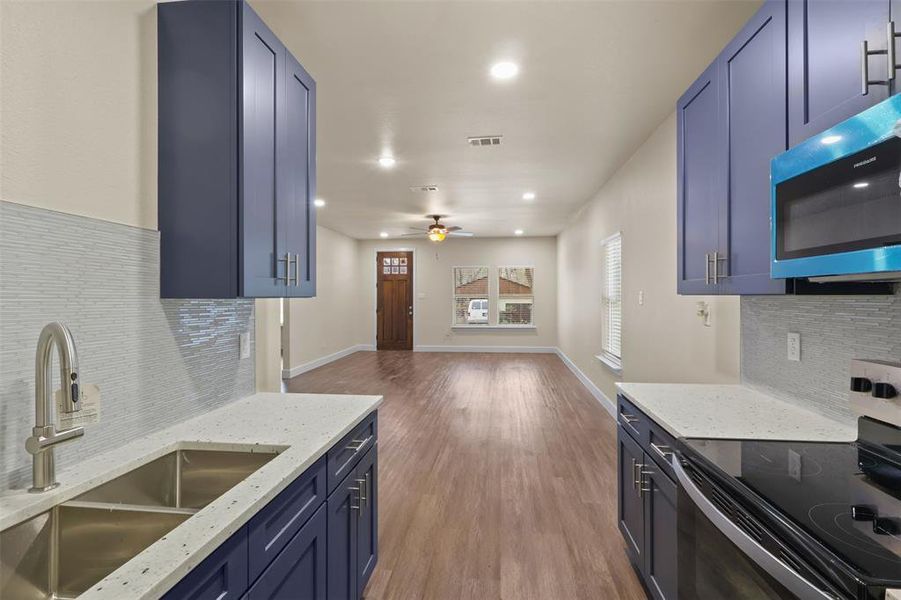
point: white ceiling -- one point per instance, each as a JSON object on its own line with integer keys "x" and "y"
{"x": 411, "y": 79}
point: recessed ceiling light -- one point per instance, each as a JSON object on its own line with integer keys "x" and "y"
{"x": 319, "y": 202}
{"x": 830, "y": 139}
{"x": 387, "y": 162}
{"x": 383, "y": 234}
{"x": 518, "y": 232}
{"x": 504, "y": 70}
{"x": 861, "y": 184}
{"x": 528, "y": 196}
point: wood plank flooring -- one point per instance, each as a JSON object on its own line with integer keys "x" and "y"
{"x": 497, "y": 477}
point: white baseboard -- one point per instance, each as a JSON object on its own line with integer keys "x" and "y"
{"x": 589, "y": 385}
{"x": 508, "y": 349}
{"x": 315, "y": 364}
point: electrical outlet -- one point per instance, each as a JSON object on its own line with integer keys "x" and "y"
{"x": 244, "y": 344}
{"x": 794, "y": 347}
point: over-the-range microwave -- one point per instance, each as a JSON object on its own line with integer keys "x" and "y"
{"x": 836, "y": 201}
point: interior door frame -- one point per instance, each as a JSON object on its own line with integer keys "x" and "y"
{"x": 375, "y": 293}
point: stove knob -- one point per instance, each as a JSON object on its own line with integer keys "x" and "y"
{"x": 861, "y": 384}
{"x": 860, "y": 512}
{"x": 884, "y": 391}
{"x": 883, "y": 526}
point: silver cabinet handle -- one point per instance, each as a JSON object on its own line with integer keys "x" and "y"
{"x": 296, "y": 270}
{"x": 716, "y": 260}
{"x": 642, "y": 490}
{"x": 707, "y": 269}
{"x": 634, "y": 473}
{"x": 778, "y": 569}
{"x": 891, "y": 36}
{"x": 352, "y": 490}
{"x": 662, "y": 451}
{"x": 363, "y": 490}
{"x": 355, "y": 445}
{"x": 630, "y": 418}
{"x": 865, "y": 54}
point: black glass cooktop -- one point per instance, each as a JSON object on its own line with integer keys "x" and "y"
{"x": 847, "y": 496}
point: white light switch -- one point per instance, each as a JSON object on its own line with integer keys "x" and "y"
{"x": 244, "y": 343}
{"x": 794, "y": 346}
{"x": 421, "y": 295}
{"x": 640, "y": 297}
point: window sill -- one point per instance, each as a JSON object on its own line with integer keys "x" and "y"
{"x": 493, "y": 327}
{"x": 613, "y": 364}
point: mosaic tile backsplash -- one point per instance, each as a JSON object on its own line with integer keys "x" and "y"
{"x": 157, "y": 362}
{"x": 834, "y": 329}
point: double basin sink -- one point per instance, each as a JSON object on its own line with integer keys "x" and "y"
{"x": 64, "y": 551}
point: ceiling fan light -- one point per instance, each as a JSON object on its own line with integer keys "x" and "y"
{"x": 437, "y": 235}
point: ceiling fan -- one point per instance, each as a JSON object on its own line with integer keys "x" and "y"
{"x": 437, "y": 231}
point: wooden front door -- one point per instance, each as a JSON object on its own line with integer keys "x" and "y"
{"x": 394, "y": 306}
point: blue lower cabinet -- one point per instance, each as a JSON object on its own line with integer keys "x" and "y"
{"x": 222, "y": 576}
{"x": 299, "y": 571}
{"x": 368, "y": 526}
{"x": 306, "y": 544}
{"x": 271, "y": 529}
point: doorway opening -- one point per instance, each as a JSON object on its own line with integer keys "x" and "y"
{"x": 394, "y": 300}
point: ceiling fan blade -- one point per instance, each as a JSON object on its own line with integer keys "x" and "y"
{"x": 413, "y": 234}
{"x": 454, "y": 228}
{"x": 461, "y": 233}
{"x": 419, "y": 229}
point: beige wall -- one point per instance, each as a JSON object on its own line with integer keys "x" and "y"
{"x": 332, "y": 321}
{"x": 663, "y": 340}
{"x": 78, "y": 102}
{"x": 434, "y": 289}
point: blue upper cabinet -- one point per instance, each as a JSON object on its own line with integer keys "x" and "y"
{"x": 236, "y": 156}
{"x": 824, "y": 61}
{"x": 700, "y": 181}
{"x": 752, "y": 76}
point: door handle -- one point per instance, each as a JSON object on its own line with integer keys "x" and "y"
{"x": 363, "y": 483}
{"x": 716, "y": 259}
{"x": 891, "y": 36}
{"x": 352, "y": 490}
{"x": 707, "y": 268}
{"x": 287, "y": 261}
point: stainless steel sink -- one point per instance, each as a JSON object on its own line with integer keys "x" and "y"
{"x": 180, "y": 479}
{"x": 66, "y": 550}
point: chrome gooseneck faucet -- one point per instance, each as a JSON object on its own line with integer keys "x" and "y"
{"x": 44, "y": 436}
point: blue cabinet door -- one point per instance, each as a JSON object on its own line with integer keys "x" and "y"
{"x": 661, "y": 535}
{"x": 700, "y": 181}
{"x": 824, "y": 61}
{"x": 221, "y": 576}
{"x": 630, "y": 511}
{"x": 752, "y": 76}
{"x": 299, "y": 571}
{"x": 262, "y": 217}
{"x": 298, "y": 177}
{"x": 343, "y": 523}
{"x": 367, "y": 477}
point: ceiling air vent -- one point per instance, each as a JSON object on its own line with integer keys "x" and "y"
{"x": 423, "y": 188}
{"x": 485, "y": 140}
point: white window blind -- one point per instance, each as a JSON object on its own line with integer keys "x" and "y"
{"x": 515, "y": 299}
{"x": 613, "y": 298}
{"x": 470, "y": 295}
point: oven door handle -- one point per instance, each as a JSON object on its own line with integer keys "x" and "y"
{"x": 780, "y": 571}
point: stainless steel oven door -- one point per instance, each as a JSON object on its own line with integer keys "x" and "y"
{"x": 722, "y": 553}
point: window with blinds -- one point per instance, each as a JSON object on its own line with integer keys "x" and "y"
{"x": 470, "y": 295}
{"x": 613, "y": 300}
{"x": 514, "y": 295}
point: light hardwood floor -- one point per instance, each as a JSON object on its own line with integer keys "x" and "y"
{"x": 497, "y": 477}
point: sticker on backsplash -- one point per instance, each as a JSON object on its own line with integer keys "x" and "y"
{"x": 89, "y": 397}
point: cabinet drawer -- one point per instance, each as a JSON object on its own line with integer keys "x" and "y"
{"x": 660, "y": 447}
{"x": 221, "y": 576}
{"x": 299, "y": 571}
{"x": 345, "y": 455}
{"x": 272, "y": 528}
{"x": 633, "y": 420}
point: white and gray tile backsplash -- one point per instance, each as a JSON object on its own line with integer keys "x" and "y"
{"x": 834, "y": 329}
{"x": 157, "y": 362}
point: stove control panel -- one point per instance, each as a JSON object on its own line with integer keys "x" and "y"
{"x": 876, "y": 390}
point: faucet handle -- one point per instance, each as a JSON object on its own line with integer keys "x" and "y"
{"x": 46, "y": 437}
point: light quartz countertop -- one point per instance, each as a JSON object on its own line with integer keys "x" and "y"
{"x": 731, "y": 411}
{"x": 302, "y": 427}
